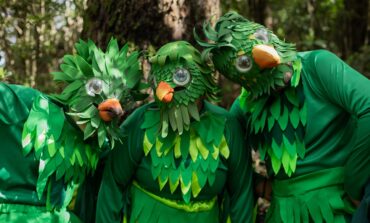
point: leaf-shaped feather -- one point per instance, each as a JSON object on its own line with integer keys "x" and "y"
{"x": 275, "y": 109}
{"x": 193, "y": 111}
{"x": 83, "y": 66}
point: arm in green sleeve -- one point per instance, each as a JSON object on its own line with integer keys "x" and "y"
{"x": 349, "y": 90}
{"x": 239, "y": 182}
{"x": 236, "y": 111}
{"x": 15, "y": 102}
{"x": 118, "y": 172}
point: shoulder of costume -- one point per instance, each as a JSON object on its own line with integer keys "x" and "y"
{"x": 220, "y": 112}
{"x": 15, "y": 102}
{"x": 137, "y": 117}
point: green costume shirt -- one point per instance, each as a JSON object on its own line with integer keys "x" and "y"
{"x": 337, "y": 137}
{"x": 18, "y": 173}
{"x": 128, "y": 169}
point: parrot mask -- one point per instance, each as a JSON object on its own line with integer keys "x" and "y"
{"x": 250, "y": 54}
{"x": 100, "y": 87}
{"x": 272, "y": 98}
{"x": 180, "y": 79}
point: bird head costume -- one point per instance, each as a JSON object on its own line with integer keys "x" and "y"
{"x": 185, "y": 151}
{"x": 268, "y": 69}
{"x": 180, "y": 79}
{"x": 99, "y": 87}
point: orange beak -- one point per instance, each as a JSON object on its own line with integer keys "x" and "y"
{"x": 265, "y": 56}
{"x": 110, "y": 109}
{"x": 164, "y": 92}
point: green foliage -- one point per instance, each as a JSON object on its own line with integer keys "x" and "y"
{"x": 361, "y": 60}
{"x": 34, "y": 35}
{"x": 309, "y": 24}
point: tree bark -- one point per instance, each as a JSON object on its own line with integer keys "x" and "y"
{"x": 257, "y": 10}
{"x": 355, "y": 25}
{"x": 146, "y": 22}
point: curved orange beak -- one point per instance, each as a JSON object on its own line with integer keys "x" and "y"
{"x": 164, "y": 92}
{"x": 265, "y": 56}
{"x": 110, "y": 109}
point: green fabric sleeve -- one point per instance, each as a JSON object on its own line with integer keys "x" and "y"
{"x": 15, "y": 102}
{"x": 119, "y": 170}
{"x": 239, "y": 182}
{"x": 349, "y": 90}
{"x": 236, "y": 111}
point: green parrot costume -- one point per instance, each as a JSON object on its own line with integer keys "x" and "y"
{"x": 180, "y": 153}
{"x": 307, "y": 113}
{"x": 50, "y": 143}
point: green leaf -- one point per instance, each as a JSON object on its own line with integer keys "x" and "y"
{"x": 293, "y": 163}
{"x": 275, "y": 109}
{"x": 193, "y": 151}
{"x": 300, "y": 148}
{"x": 283, "y": 120}
{"x": 174, "y": 179}
{"x": 303, "y": 114}
{"x": 147, "y": 146}
{"x": 89, "y": 131}
{"x": 172, "y": 118}
{"x": 224, "y": 148}
{"x": 178, "y": 118}
{"x": 82, "y": 48}
{"x": 102, "y": 134}
{"x": 291, "y": 148}
{"x": 61, "y": 76}
{"x": 201, "y": 148}
{"x": 277, "y": 150}
{"x": 193, "y": 111}
{"x": 99, "y": 60}
{"x": 294, "y": 117}
{"x": 292, "y": 97}
{"x": 113, "y": 48}
{"x": 51, "y": 146}
{"x": 185, "y": 144}
{"x": 286, "y": 161}
{"x": 70, "y": 71}
{"x": 270, "y": 122}
{"x": 185, "y": 115}
{"x": 165, "y": 123}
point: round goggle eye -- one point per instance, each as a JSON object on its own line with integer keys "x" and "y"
{"x": 181, "y": 77}
{"x": 262, "y": 35}
{"x": 94, "y": 86}
{"x": 243, "y": 63}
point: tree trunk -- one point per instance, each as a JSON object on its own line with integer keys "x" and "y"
{"x": 257, "y": 10}
{"x": 355, "y": 25}
{"x": 146, "y": 22}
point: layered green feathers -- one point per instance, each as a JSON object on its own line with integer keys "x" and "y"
{"x": 188, "y": 161}
{"x": 185, "y": 147}
{"x": 272, "y": 99}
{"x": 57, "y": 145}
{"x": 120, "y": 75}
{"x": 178, "y": 113}
{"x": 65, "y": 152}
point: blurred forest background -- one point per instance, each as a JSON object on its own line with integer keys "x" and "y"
{"x": 35, "y": 34}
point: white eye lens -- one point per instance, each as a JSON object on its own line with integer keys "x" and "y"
{"x": 94, "y": 86}
{"x": 243, "y": 63}
{"x": 262, "y": 35}
{"x": 181, "y": 77}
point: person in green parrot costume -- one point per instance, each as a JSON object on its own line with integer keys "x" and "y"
{"x": 180, "y": 153}
{"x": 51, "y": 142}
{"x": 307, "y": 113}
